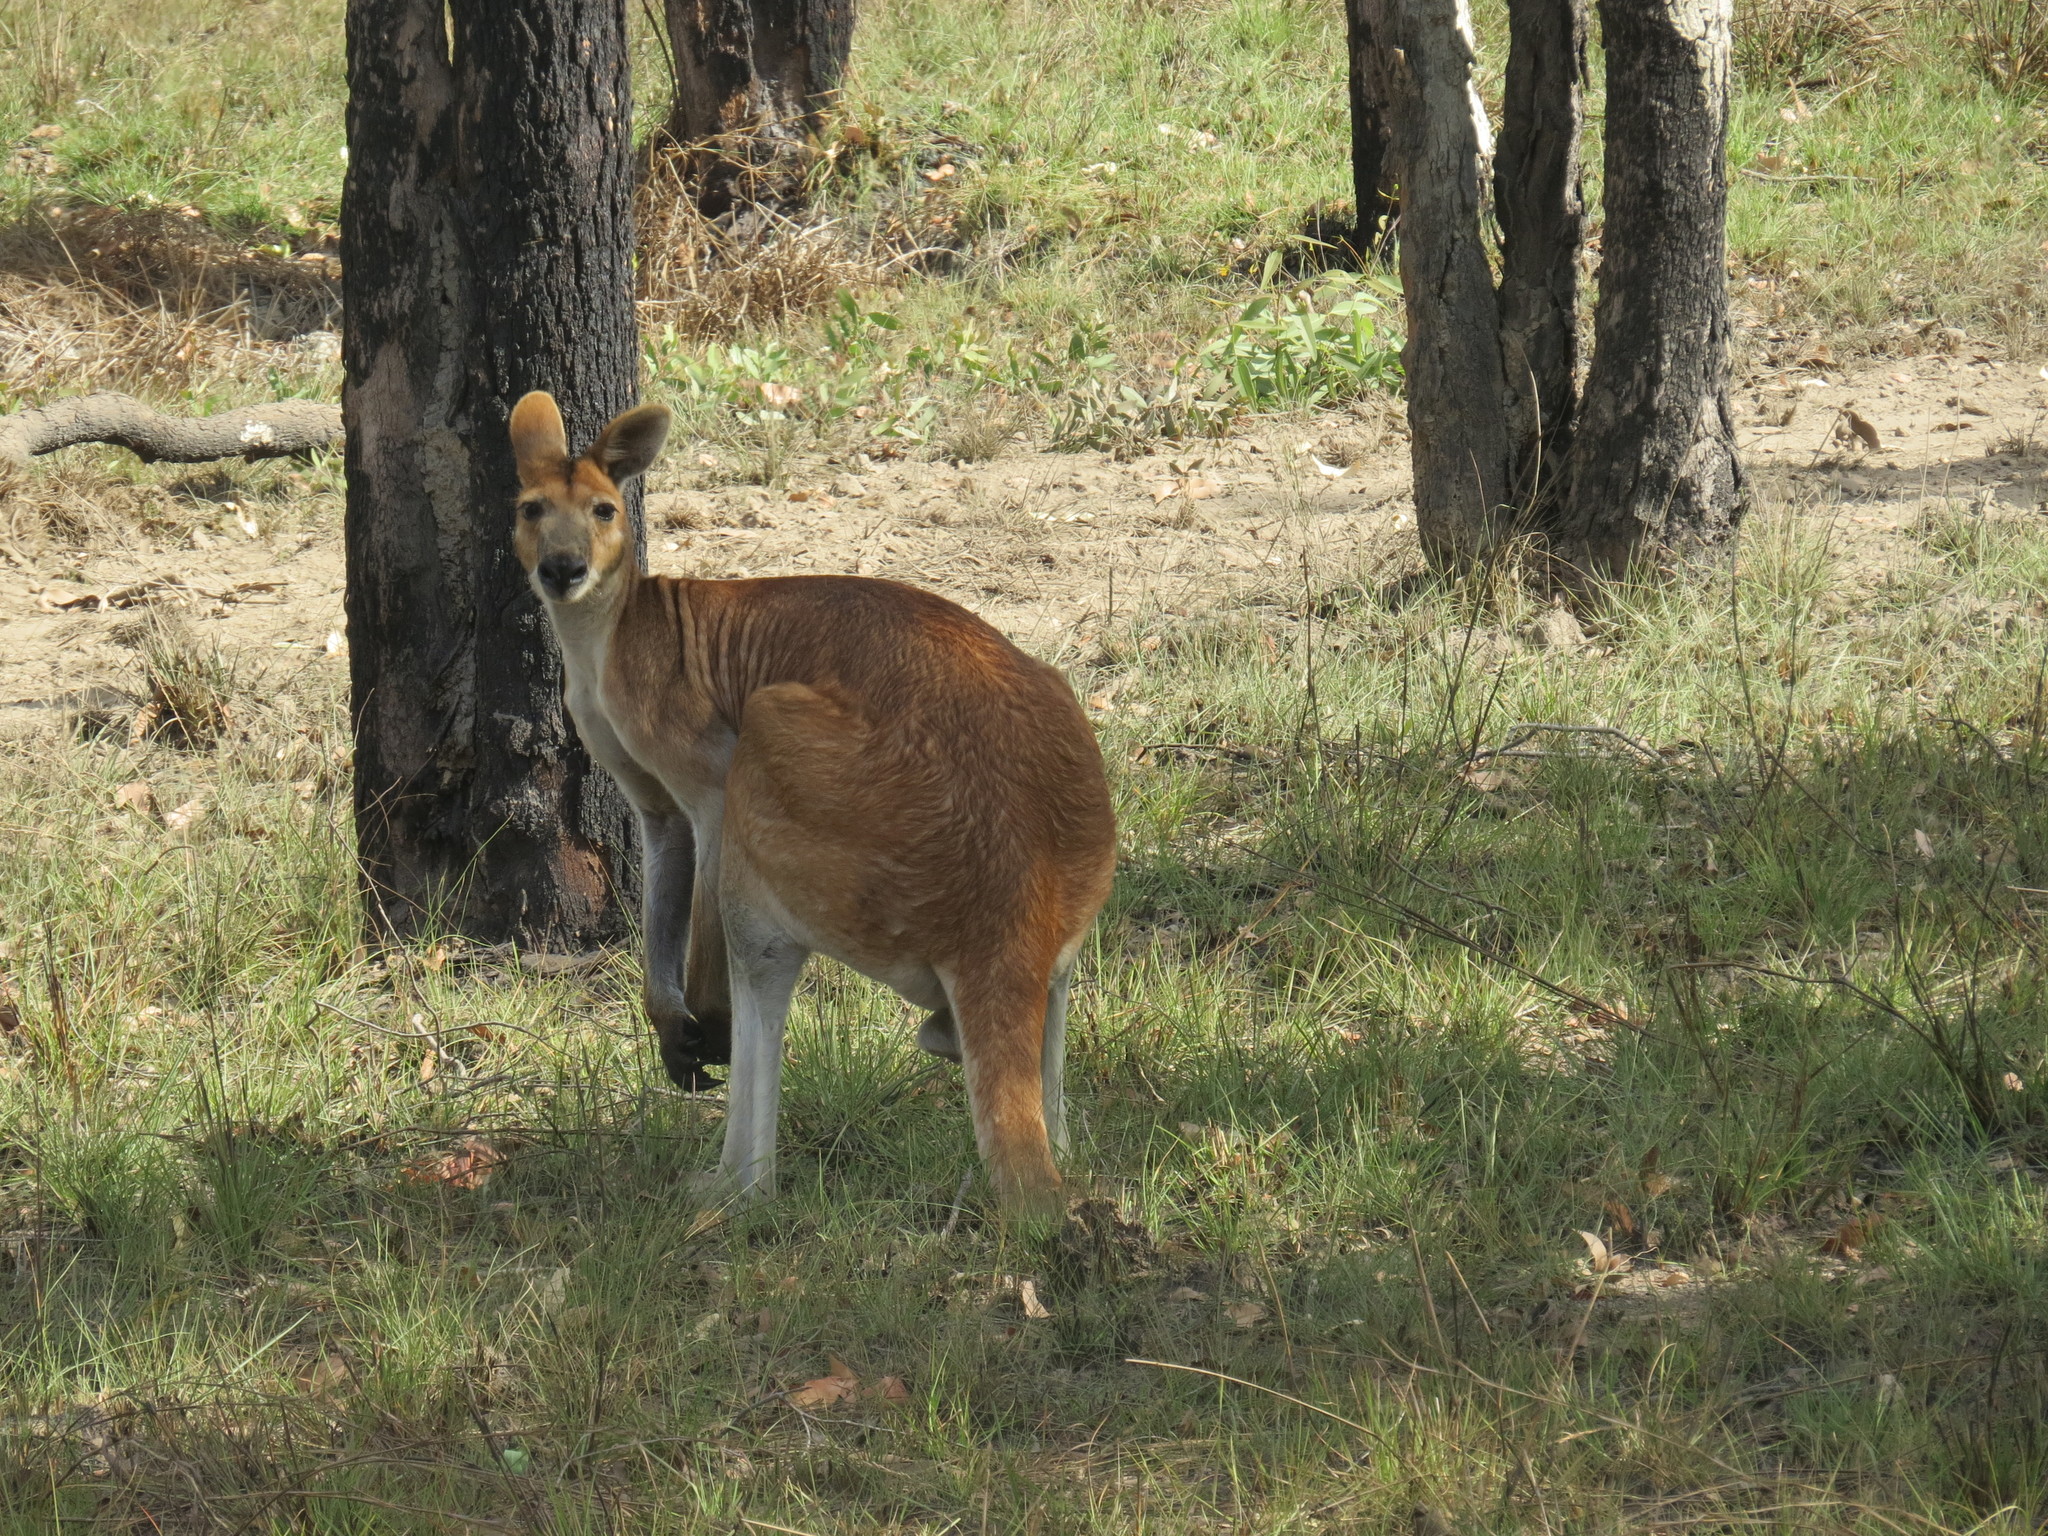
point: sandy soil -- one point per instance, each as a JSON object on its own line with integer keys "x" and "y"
{"x": 1047, "y": 545}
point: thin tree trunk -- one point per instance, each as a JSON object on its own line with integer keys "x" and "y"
{"x": 1372, "y": 151}
{"x": 488, "y": 248}
{"x": 752, "y": 77}
{"x": 1458, "y": 435}
{"x": 1541, "y": 212}
{"x": 1654, "y": 471}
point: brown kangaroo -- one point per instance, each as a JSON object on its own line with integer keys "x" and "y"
{"x": 866, "y": 770}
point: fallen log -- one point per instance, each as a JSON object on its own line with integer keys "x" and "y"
{"x": 274, "y": 431}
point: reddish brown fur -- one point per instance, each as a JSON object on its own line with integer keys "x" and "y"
{"x": 901, "y": 787}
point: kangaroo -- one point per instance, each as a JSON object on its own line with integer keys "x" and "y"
{"x": 863, "y": 770}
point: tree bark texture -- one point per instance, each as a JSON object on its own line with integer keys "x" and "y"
{"x": 1653, "y": 461}
{"x": 1372, "y": 157}
{"x": 1540, "y": 210}
{"x": 752, "y": 77}
{"x": 1452, "y": 358}
{"x": 486, "y": 228}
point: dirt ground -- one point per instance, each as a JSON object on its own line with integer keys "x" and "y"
{"x": 1048, "y": 545}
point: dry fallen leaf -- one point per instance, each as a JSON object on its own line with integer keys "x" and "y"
{"x": 324, "y": 1376}
{"x": 137, "y": 797}
{"x": 1623, "y": 1218}
{"x": 1850, "y": 1238}
{"x": 822, "y": 1392}
{"x": 435, "y": 958}
{"x": 780, "y": 396}
{"x": 1329, "y": 471}
{"x": 1485, "y": 780}
{"x": 1186, "y": 1293}
{"x": 1923, "y": 843}
{"x": 836, "y": 1385}
{"x": 893, "y": 1390}
{"x": 1602, "y": 1262}
{"x": 469, "y": 1166}
{"x": 1671, "y": 1277}
{"x": 550, "y": 1292}
{"x": 188, "y": 815}
{"x": 1201, "y": 488}
{"x": 1653, "y": 1183}
{"x": 1162, "y": 489}
{"x": 1027, "y": 1294}
{"x": 427, "y": 1069}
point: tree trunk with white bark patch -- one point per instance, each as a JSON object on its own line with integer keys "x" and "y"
{"x": 1443, "y": 147}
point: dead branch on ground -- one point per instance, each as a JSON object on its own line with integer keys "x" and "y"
{"x": 278, "y": 430}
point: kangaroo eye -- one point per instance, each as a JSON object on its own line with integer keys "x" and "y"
{"x": 603, "y": 511}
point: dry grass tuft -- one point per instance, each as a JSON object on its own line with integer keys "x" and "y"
{"x": 1777, "y": 40}
{"x": 168, "y": 258}
{"x": 192, "y": 683}
{"x": 76, "y": 507}
{"x": 2009, "y": 40}
{"x": 152, "y": 303}
{"x": 756, "y": 266}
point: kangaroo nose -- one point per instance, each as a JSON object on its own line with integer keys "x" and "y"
{"x": 559, "y": 573}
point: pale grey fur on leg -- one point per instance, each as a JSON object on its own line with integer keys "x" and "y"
{"x": 1052, "y": 1060}
{"x": 764, "y": 968}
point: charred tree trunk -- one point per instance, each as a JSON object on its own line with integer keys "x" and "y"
{"x": 1653, "y": 465}
{"x": 487, "y": 251}
{"x": 1372, "y": 149}
{"x": 1541, "y": 213}
{"x": 751, "y": 78}
{"x": 1452, "y": 358}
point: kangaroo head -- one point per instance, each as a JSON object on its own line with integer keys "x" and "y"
{"x": 572, "y": 535}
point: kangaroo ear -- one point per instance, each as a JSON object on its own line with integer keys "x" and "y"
{"x": 631, "y": 442}
{"x": 540, "y": 446}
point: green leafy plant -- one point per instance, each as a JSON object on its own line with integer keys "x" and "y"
{"x": 1313, "y": 347}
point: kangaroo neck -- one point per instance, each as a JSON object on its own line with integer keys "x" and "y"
{"x": 584, "y": 630}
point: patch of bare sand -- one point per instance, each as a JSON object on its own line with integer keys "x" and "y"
{"x": 1047, "y": 546}
{"x": 1050, "y": 546}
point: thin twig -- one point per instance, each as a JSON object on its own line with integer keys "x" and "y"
{"x": 959, "y": 1202}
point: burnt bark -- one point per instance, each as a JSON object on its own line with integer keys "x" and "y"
{"x": 487, "y": 242}
{"x": 1654, "y": 471}
{"x": 1452, "y": 358}
{"x": 1373, "y": 177}
{"x": 1540, "y": 210}
{"x": 752, "y": 77}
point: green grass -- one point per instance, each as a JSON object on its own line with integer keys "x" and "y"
{"x": 1128, "y": 168}
{"x": 1366, "y": 1038}
{"x": 1374, "y": 1029}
